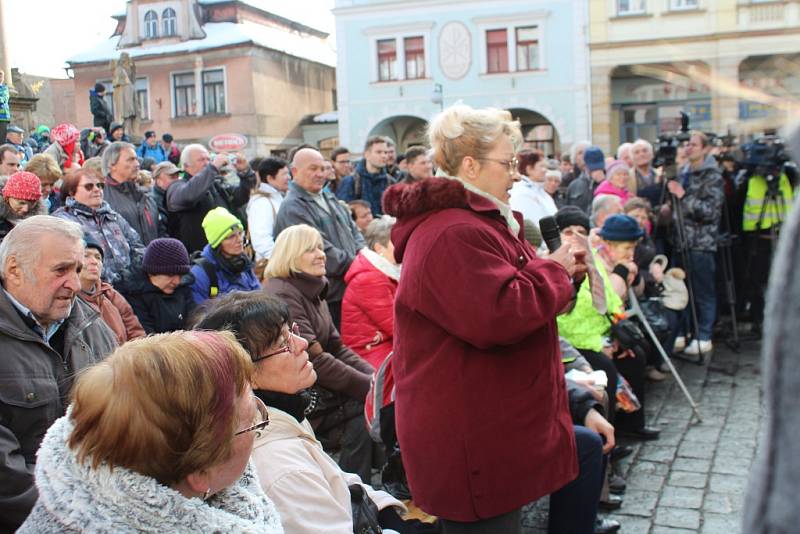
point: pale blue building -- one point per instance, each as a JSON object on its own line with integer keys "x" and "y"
{"x": 399, "y": 62}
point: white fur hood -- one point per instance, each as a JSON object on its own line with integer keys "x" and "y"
{"x": 77, "y": 498}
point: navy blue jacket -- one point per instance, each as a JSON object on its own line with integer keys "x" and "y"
{"x": 365, "y": 186}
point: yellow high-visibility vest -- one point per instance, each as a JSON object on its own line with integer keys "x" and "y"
{"x": 774, "y": 212}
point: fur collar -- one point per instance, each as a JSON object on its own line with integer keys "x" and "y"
{"x": 382, "y": 264}
{"x": 78, "y": 498}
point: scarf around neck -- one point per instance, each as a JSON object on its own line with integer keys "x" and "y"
{"x": 505, "y": 209}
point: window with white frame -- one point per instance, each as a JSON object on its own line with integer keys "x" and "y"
{"x": 169, "y": 22}
{"x": 414, "y": 48}
{"x": 184, "y": 94}
{"x": 142, "y": 98}
{"x": 527, "y": 48}
{"x": 387, "y": 60}
{"x": 213, "y": 91}
{"x": 512, "y": 48}
{"x": 630, "y": 7}
{"x": 151, "y": 25}
{"x": 678, "y": 5}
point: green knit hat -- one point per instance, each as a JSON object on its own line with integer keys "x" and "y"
{"x": 218, "y": 224}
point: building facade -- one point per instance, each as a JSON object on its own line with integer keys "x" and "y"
{"x": 208, "y": 67}
{"x": 401, "y": 62}
{"x": 733, "y": 65}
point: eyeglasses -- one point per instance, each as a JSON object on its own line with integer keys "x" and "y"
{"x": 511, "y": 164}
{"x": 91, "y": 185}
{"x": 290, "y": 344}
{"x": 261, "y": 421}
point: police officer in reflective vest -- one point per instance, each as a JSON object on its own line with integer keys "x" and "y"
{"x": 766, "y": 206}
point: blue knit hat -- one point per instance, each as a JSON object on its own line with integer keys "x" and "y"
{"x": 594, "y": 159}
{"x": 621, "y": 228}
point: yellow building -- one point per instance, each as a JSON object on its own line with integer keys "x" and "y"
{"x": 734, "y": 65}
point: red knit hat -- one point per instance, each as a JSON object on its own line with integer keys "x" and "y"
{"x": 23, "y": 185}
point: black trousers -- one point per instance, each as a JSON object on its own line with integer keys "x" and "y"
{"x": 601, "y": 362}
{"x": 759, "y": 250}
{"x": 633, "y": 369}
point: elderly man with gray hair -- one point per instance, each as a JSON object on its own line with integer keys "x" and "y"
{"x": 48, "y": 336}
{"x": 203, "y": 188}
{"x": 123, "y": 194}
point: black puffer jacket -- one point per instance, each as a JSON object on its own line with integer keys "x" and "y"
{"x": 157, "y": 311}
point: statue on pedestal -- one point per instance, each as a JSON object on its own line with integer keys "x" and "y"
{"x": 125, "y": 92}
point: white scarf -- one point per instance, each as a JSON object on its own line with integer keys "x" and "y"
{"x": 382, "y": 264}
{"x": 505, "y": 209}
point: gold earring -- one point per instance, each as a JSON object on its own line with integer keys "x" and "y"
{"x": 207, "y": 494}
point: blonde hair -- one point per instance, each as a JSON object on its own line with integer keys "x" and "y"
{"x": 461, "y": 131}
{"x": 291, "y": 243}
{"x": 163, "y": 406}
{"x": 45, "y": 167}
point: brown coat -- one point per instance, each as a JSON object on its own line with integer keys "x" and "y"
{"x": 115, "y": 311}
{"x": 338, "y": 368}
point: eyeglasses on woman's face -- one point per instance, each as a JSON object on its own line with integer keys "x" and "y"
{"x": 261, "y": 418}
{"x": 511, "y": 164}
{"x": 290, "y": 343}
{"x": 91, "y": 185}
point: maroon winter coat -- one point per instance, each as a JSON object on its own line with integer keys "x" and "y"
{"x": 482, "y": 410}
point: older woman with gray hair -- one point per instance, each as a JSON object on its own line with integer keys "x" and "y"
{"x": 368, "y": 305}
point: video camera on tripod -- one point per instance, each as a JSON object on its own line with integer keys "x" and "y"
{"x": 767, "y": 157}
{"x": 666, "y": 149}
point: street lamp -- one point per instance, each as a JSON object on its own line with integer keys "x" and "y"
{"x": 437, "y": 97}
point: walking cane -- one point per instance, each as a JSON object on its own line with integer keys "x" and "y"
{"x": 636, "y": 310}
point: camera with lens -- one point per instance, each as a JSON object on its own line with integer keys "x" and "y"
{"x": 767, "y": 157}
{"x": 666, "y": 149}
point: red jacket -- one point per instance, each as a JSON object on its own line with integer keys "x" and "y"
{"x": 482, "y": 411}
{"x": 368, "y": 310}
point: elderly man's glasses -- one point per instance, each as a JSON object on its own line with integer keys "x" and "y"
{"x": 290, "y": 344}
{"x": 511, "y": 164}
{"x": 261, "y": 421}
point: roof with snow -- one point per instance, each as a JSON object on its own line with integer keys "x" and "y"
{"x": 218, "y": 35}
{"x": 320, "y": 18}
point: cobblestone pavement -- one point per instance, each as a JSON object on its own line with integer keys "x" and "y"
{"x": 693, "y": 479}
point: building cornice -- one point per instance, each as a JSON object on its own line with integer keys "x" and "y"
{"x": 399, "y": 28}
{"x": 661, "y": 41}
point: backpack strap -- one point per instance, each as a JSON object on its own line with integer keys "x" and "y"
{"x": 211, "y": 273}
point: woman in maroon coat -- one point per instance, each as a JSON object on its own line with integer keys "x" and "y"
{"x": 482, "y": 412}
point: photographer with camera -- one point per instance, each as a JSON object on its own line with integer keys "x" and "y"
{"x": 203, "y": 188}
{"x": 768, "y": 194}
{"x": 698, "y": 189}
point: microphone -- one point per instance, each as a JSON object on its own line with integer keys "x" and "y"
{"x": 551, "y": 234}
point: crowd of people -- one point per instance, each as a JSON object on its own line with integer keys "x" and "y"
{"x": 241, "y": 346}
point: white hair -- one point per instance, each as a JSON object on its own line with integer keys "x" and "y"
{"x": 602, "y": 204}
{"x": 622, "y": 148}
{"x": 24, "y": 240}
{"x": 645, "y": 143}
{"x": 187, "y": 152}
{"x": 573, "y": 151}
